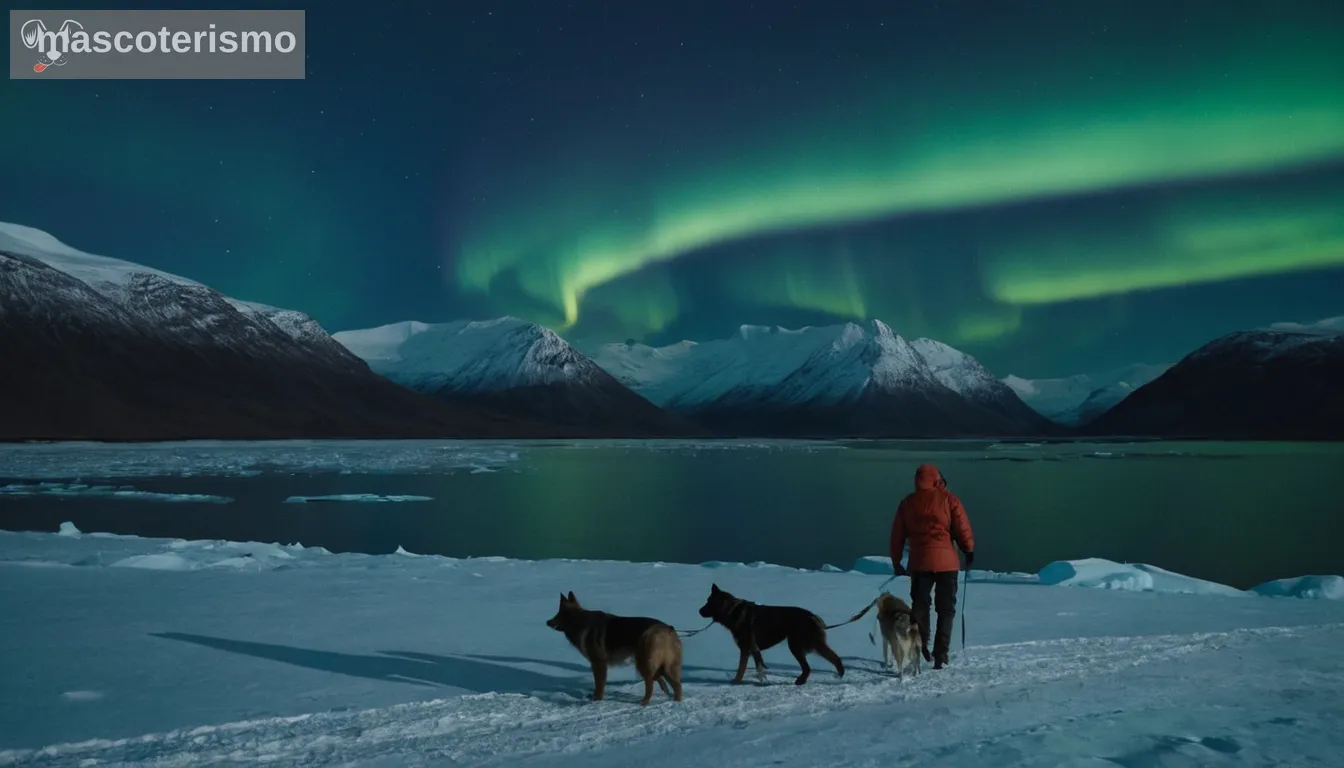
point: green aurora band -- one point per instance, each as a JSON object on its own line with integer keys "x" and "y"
{"x": 1261, "y": 102}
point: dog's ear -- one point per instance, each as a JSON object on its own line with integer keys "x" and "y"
{"x": 562, "y": 598}
{"x": 572, "y": 598}
{"x": 714, "y": 589}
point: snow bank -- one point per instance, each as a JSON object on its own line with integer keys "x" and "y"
{"x": 1308, "y": 587}
{"x": 356, "y": 498}
{"x": 125, "y": 492}
{"x": 68, "y": 529}
{"x": 181, "y": 555}
{"x": 1099, "y": 573}
{"x": 355, "y": 660}
{"x": 873, "y": 565}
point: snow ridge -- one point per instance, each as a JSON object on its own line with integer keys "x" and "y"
{"x": 957, "y": 370}
{"x": 165, "y": 304}
{"x": 470, "y": 356}
{"x": 788, "y": 367}
{"x": 1071, "y": 399}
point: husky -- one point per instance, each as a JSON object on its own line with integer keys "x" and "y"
{"x": 758, "y": 627}
{"x": 607, "y": 640}
{"x": 899, "y": 632}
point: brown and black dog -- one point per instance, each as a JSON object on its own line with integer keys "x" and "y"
{"x": 899, "y": 632}
{"x": 607, "y": 640}
{"x": 758, "y": 627}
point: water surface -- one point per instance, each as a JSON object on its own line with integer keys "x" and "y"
{"x": 1237, "y": 513}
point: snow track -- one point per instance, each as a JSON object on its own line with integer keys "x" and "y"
{"x": 550, "y": 724}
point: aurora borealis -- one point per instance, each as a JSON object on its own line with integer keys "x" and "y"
{"x": 1053, "y": 187}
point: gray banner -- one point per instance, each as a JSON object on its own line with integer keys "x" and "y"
{"x": 157, "y": 45}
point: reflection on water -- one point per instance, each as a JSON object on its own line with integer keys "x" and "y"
{"x": 1232, "y": 512}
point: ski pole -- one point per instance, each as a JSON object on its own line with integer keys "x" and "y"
{"x": 966, "y": 580}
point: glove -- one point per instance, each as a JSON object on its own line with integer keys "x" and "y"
{"x": 897, "y": 569}
{"x": 970, "y": 559}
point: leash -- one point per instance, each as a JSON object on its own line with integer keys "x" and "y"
{"x": 866, "y": 608}
{"x": 695, "y": 632}
{"x": 856, "y": 616}
{"x": 885, "y": 583}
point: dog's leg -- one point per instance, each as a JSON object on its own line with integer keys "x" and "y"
{"x": 675, "y": 674}
{"x": 648, "y": 691}
{"x": 898, "y": 652}
{"x": 648, "y": 673}
{"x": 760, "y": 664}
{"x": 599, "y": 679}
{"x": 741, "y": 666}
{"x": 885, "y": 646}
{"x": 796, "y": 649}
{"x": 662, "y": 683}
{"x": 825, "y": 652}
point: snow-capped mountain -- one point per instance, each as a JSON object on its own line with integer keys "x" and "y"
{"x": 1074, "y": 400}
{"x": 1285, "y": 382}
{"x": 511, "y": 366}
{"x": 99, "y": 348}
{"x": 834, "y": 380}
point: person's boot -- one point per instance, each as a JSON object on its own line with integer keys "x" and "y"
{"x": 922, "y": 621}
{"x": 942, "y": 639}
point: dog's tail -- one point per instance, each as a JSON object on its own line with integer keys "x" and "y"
{"x": 856, "y": 616}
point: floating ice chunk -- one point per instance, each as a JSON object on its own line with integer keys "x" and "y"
{"x": 82, "y": 695}
{"x": 354, "y": 498}
{"x": 161, "y": 561}
{"x": 125, "y": 492}
{"x": 1306, "y": 587}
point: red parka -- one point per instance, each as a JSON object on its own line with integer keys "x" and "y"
{"x": 931, "y": 518}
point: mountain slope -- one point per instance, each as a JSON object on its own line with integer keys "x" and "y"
{"x": 1097, "y": 403}
{"x": 98, "y": 348}
{"x": 510, "y": 366}
{"x": 833, "y": 381}
{"x": 1062, "y": 400}
{"x": 1281, "y": 383}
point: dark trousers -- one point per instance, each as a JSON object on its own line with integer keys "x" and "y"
{"x": 943, "y": 587}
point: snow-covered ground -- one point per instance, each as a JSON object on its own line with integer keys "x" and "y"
{"x": 163, "y": 652}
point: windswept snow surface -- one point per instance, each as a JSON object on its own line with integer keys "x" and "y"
{"x": 308, "y": 658}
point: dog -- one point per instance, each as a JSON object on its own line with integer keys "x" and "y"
{"x": 756, "y": 628}
{"x": 899, "y": 632}
{"x": 606, "y": 640}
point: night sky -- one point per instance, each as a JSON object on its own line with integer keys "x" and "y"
{"x": 1053, "y": 187}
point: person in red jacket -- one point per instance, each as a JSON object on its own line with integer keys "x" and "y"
{"x": 931, "y": 519}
